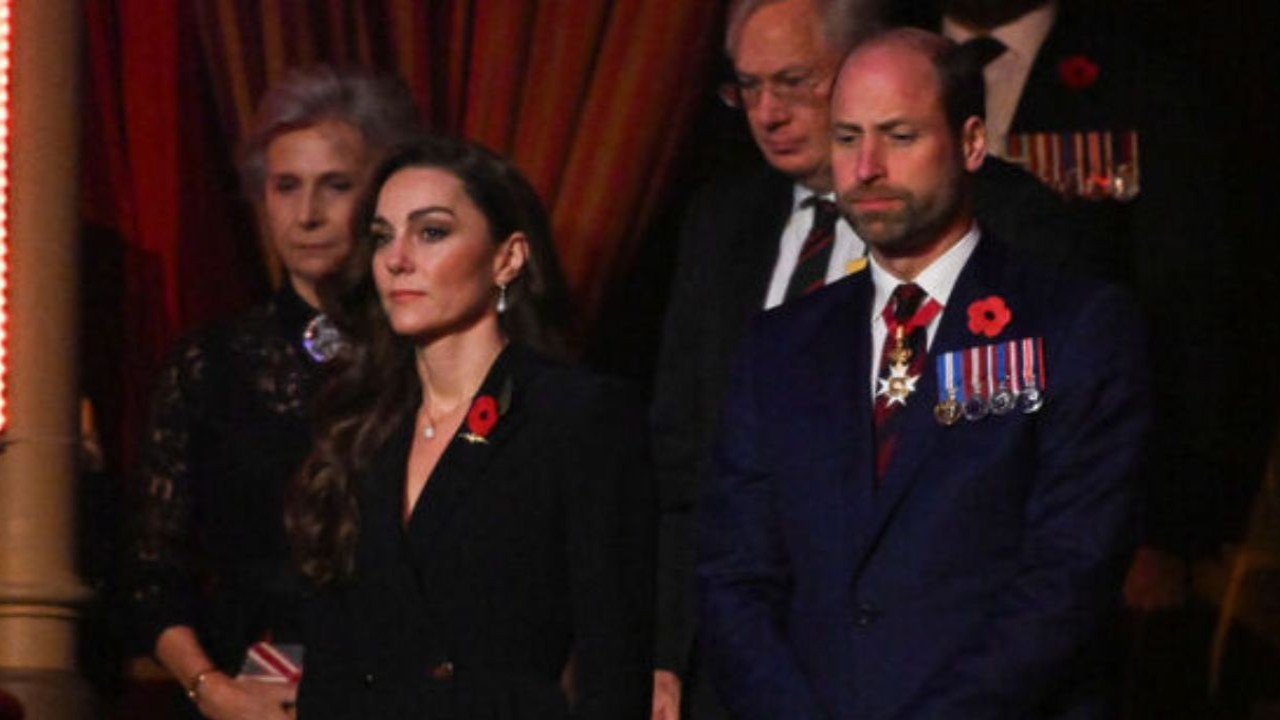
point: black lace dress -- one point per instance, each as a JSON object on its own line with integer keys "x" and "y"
{"x": 228, "y": 430}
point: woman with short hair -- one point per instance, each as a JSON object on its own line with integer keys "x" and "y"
{"x": 210, "y": 572}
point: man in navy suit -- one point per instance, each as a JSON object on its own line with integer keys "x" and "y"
{"x": 922, "y": 496}
{"x": 741, "y": 246}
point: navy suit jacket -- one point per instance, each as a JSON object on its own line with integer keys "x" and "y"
{"x": 729, "y": 245}
{"x": 973, "y": 582}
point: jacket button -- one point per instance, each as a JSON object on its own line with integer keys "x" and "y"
{"x": 865, "y": 615}
{"x": 368, "y": 679}
{"x": 442, "y": 671}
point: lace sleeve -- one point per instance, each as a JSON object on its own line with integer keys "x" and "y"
{"x": 159, "y": 579}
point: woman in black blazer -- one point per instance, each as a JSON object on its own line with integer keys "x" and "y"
{"x": 476, "y": 518}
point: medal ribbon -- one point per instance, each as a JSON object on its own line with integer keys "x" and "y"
{"x": 976, "y": 390}
{"x": 920, "y": 319}
{"x": 947, "y": 377}
{"x": 1033, "y": 363}
{"x": 903, "y": 334}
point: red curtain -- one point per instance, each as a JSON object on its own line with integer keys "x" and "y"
{"x": 591, "y": 98}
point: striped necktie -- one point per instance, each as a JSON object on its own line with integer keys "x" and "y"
{"x": 815, "y": 255}
{"x": 907, "y": 318}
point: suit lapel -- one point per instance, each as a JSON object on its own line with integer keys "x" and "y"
{"x": 848, "y": 371}
{"x": 1047, "y": 103}
{"x": 463, "y": 466}
{"x": 1044, "y": 99}
{"x": 920, "y": 431}
{"x": 757, "y": 242}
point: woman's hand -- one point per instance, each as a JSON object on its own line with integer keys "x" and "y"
{"x": 666, "y": 695}
{"x": 224, "y": 698}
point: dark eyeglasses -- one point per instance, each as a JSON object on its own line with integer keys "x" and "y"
{"x": 788, "y": 88}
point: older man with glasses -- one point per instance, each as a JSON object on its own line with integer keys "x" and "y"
{"x": 749, "y": 242}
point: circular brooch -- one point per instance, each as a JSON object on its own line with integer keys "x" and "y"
{"x": 322, "y": 340}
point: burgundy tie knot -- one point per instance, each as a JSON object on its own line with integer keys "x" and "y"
{"x": 825, "y": 213}
{"x": 906, "y": 300}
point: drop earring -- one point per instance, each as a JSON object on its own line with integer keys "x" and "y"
{"x": 502, "y": 299}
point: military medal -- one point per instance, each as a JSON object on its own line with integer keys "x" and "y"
{"x": 322, "y": 340}
{"x": 990, "y": 380}
{"x": 947, "y": 411}
{"x": 1002, "y": 399}
{"x": 1094, "y": 164}
{"x": 975, "y": 404}
{"x": 1031, "y": 355}
{"x": 900, "y": 383}
{"x": 897, "y": 386}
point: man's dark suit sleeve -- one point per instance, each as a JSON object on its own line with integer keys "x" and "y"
{"x": 678, "y": 435}
{"x": 743, "y": 571}
{"x": 609, "y": 542}
{"x": 1080, "y": 526}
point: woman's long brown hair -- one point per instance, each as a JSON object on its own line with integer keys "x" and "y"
{"x": 375, "y": 388}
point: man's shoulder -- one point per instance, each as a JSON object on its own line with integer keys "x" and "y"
{"x": 1050, "y": 296}
{"x": 814, "y": 317}
{"x": 744, "y": 188}
{"x": 735, "y": 221}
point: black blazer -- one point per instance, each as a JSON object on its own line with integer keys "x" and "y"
{"x": 526, "y": 549}
{"x": 1169, "y": 245}
{"x": 728, "y": 247}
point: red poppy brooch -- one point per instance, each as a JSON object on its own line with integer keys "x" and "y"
{"x": 989, "y": 316}
{"x": 484, "y": 414}
{"x": 1078, "y": 72}
{"x": 481, "y": 418}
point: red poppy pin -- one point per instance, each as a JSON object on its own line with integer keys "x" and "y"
{"x": 989, "y": 316}
{"x": 481, "y": 418}
{"x": 1078, "y": 72}
{"x": 485, "y": 412}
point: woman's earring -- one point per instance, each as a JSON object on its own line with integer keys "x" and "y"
{"x": 502, "y": 299}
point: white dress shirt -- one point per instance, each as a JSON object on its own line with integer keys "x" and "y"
{"x": 937, "y": 280}
{"x": 1007, "y": 74}
{"x": 848, "y": 246}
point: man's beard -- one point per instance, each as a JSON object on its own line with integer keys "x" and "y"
{"x": 915, "y": 224}
{"x": 888, "y": 228}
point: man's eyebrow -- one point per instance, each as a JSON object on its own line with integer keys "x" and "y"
{"x": 786, "y": 70}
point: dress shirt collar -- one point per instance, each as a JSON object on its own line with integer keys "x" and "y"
{"x": 937, "y": 280}
{"x": 1022, "y": 37}
{"x": 801, "y": 193}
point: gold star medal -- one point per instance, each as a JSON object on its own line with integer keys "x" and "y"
{"x": 897, "y": 386}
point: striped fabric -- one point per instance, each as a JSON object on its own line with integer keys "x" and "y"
{"x": 590, "y": 99}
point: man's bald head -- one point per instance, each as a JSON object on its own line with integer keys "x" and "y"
{"x": 957, "y": 70}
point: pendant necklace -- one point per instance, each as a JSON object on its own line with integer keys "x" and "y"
{"x": 429, "y": 423}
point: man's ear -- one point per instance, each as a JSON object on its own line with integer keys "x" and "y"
{"x": 509, "y": 261}
{"x": 973, "y": 142}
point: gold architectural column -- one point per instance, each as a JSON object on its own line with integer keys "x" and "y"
{"x": 39, "y": 588}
